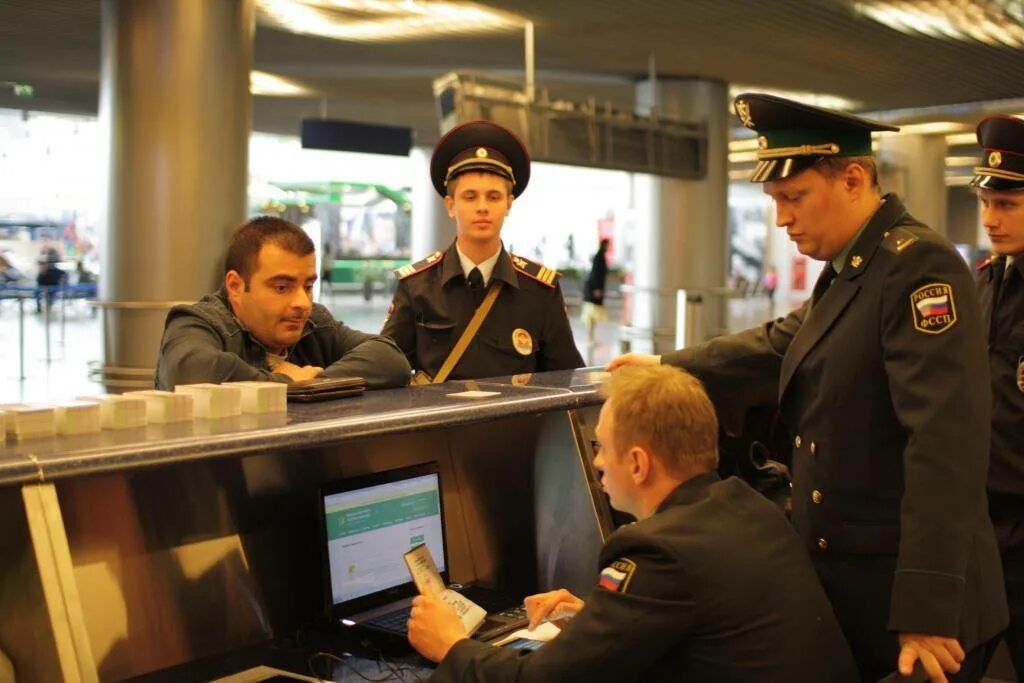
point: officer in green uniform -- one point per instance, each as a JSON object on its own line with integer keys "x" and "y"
{"x": 478, "y": 168}
{"x": 882, "y": 385}
{"x": 1000, "y": 187}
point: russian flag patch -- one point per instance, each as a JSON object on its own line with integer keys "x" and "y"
{"x": 933, "y": 308}
{"x": 616, "y": 576}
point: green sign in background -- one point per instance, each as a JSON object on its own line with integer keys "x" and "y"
{"x": 357, "y": 520}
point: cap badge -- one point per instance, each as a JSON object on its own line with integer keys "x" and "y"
{"x": 481, "y": 153}
{"x": 743, "y": 111}
{"x": 994, "y": 159}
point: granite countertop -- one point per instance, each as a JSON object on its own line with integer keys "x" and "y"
{"x": 391, "y": 411}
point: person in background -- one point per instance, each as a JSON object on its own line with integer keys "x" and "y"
{"x": 710, "y": 584}
{"x": 999, "y": 184}
{"x": 263, "y": 325}
{"x": 881, "y": 381}
{"x": 593, "y": 291}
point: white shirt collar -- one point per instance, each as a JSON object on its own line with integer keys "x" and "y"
{"x": 486, "y": 268}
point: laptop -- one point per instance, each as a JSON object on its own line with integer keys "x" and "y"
{"x": 368, "y": 523}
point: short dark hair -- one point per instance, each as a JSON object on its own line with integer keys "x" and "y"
{"x": 832, "y": 167}
{"x": 249, "y": 237}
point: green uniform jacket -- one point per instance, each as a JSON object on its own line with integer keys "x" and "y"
{"x": 691, "y": 593}
{"x": 205, "y": 342}
{"x": 883, "y": 386}
{"x": 433, "y": 305}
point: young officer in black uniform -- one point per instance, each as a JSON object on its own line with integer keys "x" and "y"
{"x": 883, "y": 386}
{"x": 1000, "y": 186}
{"x": 478, "y": 168}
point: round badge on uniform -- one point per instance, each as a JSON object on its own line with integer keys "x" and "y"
{"x": 522, "y": 342}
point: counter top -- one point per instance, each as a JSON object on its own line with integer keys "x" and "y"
{"x": 375, "y": 413}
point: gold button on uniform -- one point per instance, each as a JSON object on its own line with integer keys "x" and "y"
{"x": 796, "y": 441}
{"x": 816, "y": 496}
{"x": 823, "y": 544}
{"x": 814, "y": 448}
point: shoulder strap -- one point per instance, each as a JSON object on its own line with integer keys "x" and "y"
{"x": 467, "y": 335}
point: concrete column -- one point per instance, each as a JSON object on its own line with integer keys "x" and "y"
{"x": 914, "y": 167}
{"x": 175, "y": 105}
{"x": 432, "y": 227}
{"x": 681, "y": 227}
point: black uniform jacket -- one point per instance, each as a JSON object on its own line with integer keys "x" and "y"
{"x": 433, "y": 305}
{"x": 1002, "y": 302}
{"x": 883, "y": 386}
{"x": 702, "y": 603}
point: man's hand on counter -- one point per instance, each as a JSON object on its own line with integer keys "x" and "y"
{"x": 298, "y": 373}
{"x": 633, "y": 359}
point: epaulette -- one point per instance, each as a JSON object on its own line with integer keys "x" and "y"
{"x": 984, "y": 264}
{"x": 898, "y": 240}
{"x": 423, "y": 264}
{"x": 536, "y": 271}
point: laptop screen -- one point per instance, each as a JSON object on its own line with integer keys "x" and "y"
{"x": 371, "y": 523}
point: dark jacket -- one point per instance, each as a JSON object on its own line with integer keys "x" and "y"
{"x": 433, "y": 305}
{"x": 205, "y": 342}
{"x": 1002, "y": 303}
{"x": 593, "y": 288}
{"x": 721, "y": 591}
{"x": 888, "y": 409}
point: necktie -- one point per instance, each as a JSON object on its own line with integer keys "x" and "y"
{"x": 828, "y": 274}
{"x": 475, "y": 281}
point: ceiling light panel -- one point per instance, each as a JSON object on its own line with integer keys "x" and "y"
{"x": 384, "y": 20}
{"x": 999, "y": 23}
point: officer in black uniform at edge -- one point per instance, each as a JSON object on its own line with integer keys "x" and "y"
{"x": 478, "y": 168}
{"x": 999, "y": 183}
{"x": 883, "y": 387}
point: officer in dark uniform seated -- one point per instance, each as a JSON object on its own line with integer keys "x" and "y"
{"x": 882, "y": 384}
{"x": 479, "y": 167}
{"x": 1000, "y": 187}
{"x": 710, "y": 585}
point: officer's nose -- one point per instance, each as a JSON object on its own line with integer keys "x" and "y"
{"x": 988, "y": 217}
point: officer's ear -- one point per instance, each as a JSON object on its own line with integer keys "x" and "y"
{"x": 856, "y": 179}
{"x": 449, "y": 204}
{"x": 639, "y": 463}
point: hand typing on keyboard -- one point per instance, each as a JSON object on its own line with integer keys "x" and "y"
{"x": 551, "y": 606}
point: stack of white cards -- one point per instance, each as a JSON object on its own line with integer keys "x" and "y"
{"x": 262, "y": 397}
{"x": 163, "y": 407}
{"x": 78, "y": 417}
{"x": 28, "y": 421}
{"x": 213, "y": 401}
{"x": 119, "y": 412}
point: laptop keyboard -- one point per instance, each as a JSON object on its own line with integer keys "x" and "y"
{"x": 396, "y": 622}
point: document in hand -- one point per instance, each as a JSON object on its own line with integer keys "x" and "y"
{"x": 428, "y": 581}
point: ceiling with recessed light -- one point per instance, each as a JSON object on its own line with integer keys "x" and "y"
{"x": 375, "y": 60}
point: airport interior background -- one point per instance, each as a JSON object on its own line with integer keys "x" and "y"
{"x": 135, "y": 134}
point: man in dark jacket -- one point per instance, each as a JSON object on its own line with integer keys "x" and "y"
{"x": 263, "y": 325}
{"x": 709, "y": 585}
{"x": 1000, "y": 186}
{"x": 882, "y": 383}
